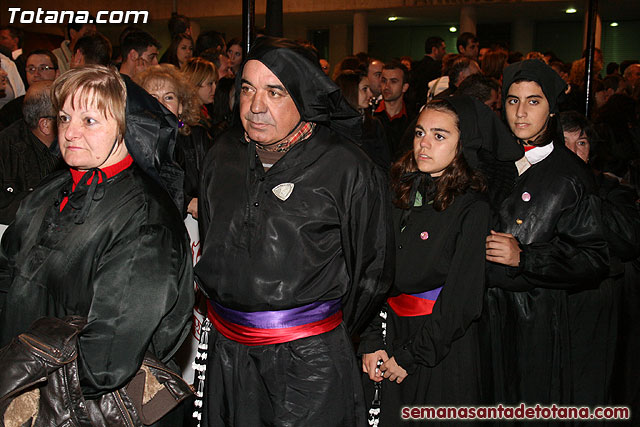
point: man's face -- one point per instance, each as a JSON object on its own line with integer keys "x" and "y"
{"x": 374, "y": 75}
{"x": 40, "y": 68}
{"x": 526, "y": 110}
{"x": 633, "y": 76}
{"x": 225, "y": 69}
{"x": 439, "y": 52}
{"x": 391, "y": 85}
{"x": 267, "y": 111}
{"x": 7, "y": 41}
{"x": 148, "y": 58}
{"x": 470, "y": 50}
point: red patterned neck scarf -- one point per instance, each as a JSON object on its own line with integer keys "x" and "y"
{"x": 302, "y": 132}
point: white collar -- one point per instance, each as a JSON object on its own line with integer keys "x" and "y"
{"x": 533, "y": 156}
{"x": 538, "y": 154}
{"x": 16, "y": 53}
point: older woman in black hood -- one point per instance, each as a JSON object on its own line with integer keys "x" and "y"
{"x": 547, "y": 245}
{"x": 104, "y": 238}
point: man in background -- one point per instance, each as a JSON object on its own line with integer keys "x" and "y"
{"x": 65, "y": 51}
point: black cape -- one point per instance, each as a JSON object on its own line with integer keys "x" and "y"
{"x": 440, "y": 351}
{"x": 127, "y": 268}
{"x": 552, "y": 212}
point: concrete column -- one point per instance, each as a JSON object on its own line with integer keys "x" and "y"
{"x": 522, "y": 31}
{"x": 360, "y": 32}
{"x": 468, "y": 20}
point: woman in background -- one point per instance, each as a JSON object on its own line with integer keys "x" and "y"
{"x": 355, "y": 89}
{"x": 203, "y": 76}
{"x": 223, "y": 105}
{"x": 179, "y": 52}
{"x": 234, "y": 52}
{"x": 170, "y": 87}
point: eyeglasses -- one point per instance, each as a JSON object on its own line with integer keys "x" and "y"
{"x": 41, "y": 68}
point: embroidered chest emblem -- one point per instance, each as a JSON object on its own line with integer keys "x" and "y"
{"x": 283, "y": 191}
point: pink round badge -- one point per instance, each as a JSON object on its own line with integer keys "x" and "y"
{"x": 526, "y": 196}
{"x": 424, "y": 235}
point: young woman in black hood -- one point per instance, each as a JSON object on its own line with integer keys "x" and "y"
{"x": 424, "y": 349}
{"x": 546, "y": 245}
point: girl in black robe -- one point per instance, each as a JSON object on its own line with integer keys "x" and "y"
{"x": 548, "y": 246}
{"x": 426, "y": 352}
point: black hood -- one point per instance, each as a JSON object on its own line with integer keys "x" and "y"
{"x": 537, "y": 71}
{"x": 481, "y": 128}
{"x": 151, "y": 138}
{"x": 316, "y": 96}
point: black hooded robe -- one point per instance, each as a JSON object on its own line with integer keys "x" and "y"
{"x": 440, "y": 351}
{"x": 552, "y": 213}
{"x": 328, "y": 240}
{"x": 119, "y": 256}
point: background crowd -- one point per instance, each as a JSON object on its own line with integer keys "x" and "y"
{"x": 197, "y": 81}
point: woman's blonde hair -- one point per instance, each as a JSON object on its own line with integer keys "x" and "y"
{"x": 186, "y": 93}
{"x": 199, "y": 70}
{"x": 94, "y": 86}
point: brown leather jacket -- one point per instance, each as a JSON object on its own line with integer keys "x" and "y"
{"x": 40, "y": 384}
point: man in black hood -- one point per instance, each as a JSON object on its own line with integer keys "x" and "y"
{"x": 296, "y": 248}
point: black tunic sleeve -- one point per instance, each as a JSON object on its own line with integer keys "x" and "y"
{"x": 367, "y": 242}
{"x": 142, "y": 299}
{"x": 459, "y": 303}
{"x": 371, "y": 338}
{"x": 576, "y": 256}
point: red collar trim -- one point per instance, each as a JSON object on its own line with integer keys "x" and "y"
{"x": 110, "y": 171}
{"x": 528, "y": 147}
{"x": 381, "y": 108}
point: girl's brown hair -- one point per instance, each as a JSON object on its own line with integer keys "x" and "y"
{"x": 457, "y": 178}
